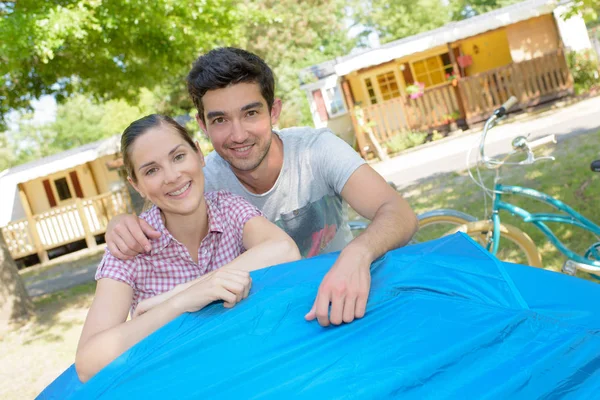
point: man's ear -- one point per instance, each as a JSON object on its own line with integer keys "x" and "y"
{"x": 275, "y": 111}
{"x": 201, "y": 124}
{"x": 135, "y": 186}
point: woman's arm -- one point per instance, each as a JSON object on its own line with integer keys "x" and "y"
{"x": 106, "y": 333}
{"x": 266, "y": 245}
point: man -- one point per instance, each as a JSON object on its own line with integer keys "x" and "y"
{"x": 301, "y": 178}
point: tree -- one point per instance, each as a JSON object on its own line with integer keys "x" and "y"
{"x": 394, "y": 20}
{"x": 109, "y": 49}
{"x": 79, "y": 120}
{"x": 15, "y": 303}
{"x": 462, "y": 9}
{"x": 290, "y": 35}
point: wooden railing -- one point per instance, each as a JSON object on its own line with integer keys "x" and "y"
{"x": 403, "y": 114}
{"x": 532, "y": 82}
{"x": 81, "y": 219}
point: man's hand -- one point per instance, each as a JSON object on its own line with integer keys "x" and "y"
{"x": 127, "y": 236}
{"x": 346, "y": 287}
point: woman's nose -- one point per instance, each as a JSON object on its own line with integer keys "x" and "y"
{"x": 171, "y": 174}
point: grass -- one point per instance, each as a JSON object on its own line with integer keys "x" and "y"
{"x": 34, "y": 354}
{"x": 568, "y": 179}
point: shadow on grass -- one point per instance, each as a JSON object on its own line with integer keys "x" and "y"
{"x": 568, "y": 179}
{"x": 47, "y": 325}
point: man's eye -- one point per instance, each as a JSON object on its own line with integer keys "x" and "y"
{"x": 219, "y": 120}
{"x": 252, "y": 113}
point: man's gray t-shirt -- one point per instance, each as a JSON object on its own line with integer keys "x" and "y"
{"x": 305, "y": 200}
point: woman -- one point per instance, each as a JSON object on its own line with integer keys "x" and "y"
{"x": 208, "y": 244}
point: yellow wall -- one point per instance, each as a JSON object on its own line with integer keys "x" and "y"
{"x": 37, "y": 195}
{"x": 356, "y": 79}
{"x": 105, "y": 179}
{"x": 488, "y": 50}
{"x": 357, "y": 92}
{"x": 532, "y": 38}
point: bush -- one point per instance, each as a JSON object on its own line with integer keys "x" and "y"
{"x": 584, "y": 68}
{"x": 405, "y": 140}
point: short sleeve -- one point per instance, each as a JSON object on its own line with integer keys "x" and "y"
{"x": 334, "y": 159}
{"x": 113, "y": 268}
{"x": 238, "y": 211}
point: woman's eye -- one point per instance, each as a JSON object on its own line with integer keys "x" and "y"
{"x": 151, "y": 171}
{"x": 179, "y": 157}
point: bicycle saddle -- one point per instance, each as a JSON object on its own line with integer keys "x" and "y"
{"x": 595, "y": 166}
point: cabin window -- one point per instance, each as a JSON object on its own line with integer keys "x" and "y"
{"x": 371, "y": 91}
{"x": 388, "y": 85}
{"x": 62, "y": 189}
{"x": 334, "y": 101}
{"x": 432, "y": 71}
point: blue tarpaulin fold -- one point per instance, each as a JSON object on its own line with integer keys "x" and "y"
{"x": 445, "y": 319}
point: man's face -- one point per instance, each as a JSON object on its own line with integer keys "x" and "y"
{"x": 239, "y": 125}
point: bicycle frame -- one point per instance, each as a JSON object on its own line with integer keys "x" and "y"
{"x": 538, "y": 219}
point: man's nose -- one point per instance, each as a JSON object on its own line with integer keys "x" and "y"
{"x": 238, "y": 132}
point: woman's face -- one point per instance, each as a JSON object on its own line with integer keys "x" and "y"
{"x": 168, "y": 170}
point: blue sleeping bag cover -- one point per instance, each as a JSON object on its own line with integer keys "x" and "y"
{"x": 445, "y": 319}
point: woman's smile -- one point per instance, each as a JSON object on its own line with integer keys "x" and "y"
{"x": 182, "y": 192}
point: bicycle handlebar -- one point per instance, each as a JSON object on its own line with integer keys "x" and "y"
{"x": 542, "y": 141}
{"x": 500, "y": 112}
{"x": 523, "y": 145}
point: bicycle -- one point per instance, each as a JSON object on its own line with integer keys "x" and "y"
{"x": 491, "y": 232}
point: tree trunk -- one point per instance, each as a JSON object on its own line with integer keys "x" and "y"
{"x": 14, "y": 301}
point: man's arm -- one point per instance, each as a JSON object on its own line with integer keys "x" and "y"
{"x": 346, "y": 286}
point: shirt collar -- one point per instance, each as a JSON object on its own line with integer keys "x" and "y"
{"x": 153, "y": 217}
{"x": 215, "y": 213}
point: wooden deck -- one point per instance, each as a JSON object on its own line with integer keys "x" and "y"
{"x": 82, "y": 219}
{"x": 474, "y": 98}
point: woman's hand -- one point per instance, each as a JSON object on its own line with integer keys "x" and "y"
{"x": 226, "y": 284}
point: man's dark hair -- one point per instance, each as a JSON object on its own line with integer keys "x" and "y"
{"x": 226, "y": 66}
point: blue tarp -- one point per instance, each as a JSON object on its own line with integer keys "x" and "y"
{"x": 445, "y": 319}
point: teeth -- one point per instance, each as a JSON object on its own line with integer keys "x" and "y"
{"x": 178, "y": 192}
{"x": 241, "y": 149}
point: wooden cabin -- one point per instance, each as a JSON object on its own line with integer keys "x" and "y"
{"x": 62, "y": 202}
{"x": 458, "y": 73}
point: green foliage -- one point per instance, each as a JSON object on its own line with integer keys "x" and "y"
{"x": 79, "y": 120}
{"x": 405, "y": 140}
{"x": 290, "y": 35}
{"x": 585, "y": 70}
{"x": 108, "y": 49}
{"x": 112, "y": 49}
{"x": 462, "y": 9}
{"x": 588, "y": 9}
{"x": 394, "y": 20}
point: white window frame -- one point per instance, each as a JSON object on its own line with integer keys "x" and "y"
{"x": 331, "y": 82}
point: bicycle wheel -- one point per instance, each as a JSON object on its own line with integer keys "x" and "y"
{"x": 437, "y": 223}
{"x": 515, "y": 245}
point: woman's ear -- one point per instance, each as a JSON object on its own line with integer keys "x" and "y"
{"x": 135, "y": 186}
